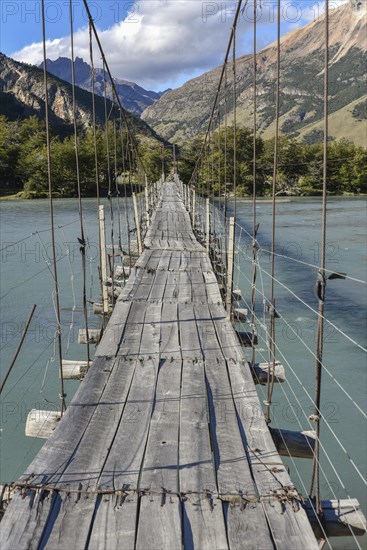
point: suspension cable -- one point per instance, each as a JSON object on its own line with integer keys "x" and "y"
{"x": 96, "y": 167}
{"x": 234, "y": 119}
{"x": 92, "y": 70}
{"x": 116, "y": 184}
{"x": 111, "y": 264}
{"x": 82, "y": 240}
{"x": 315, "y": 478}
{"x": 125, "y": 190}
{"x": 106, "y": 67}
{"x": 254, "y": 174}
{"x": 275, "y": 170}
{"x": 216, "y": 98}
{"x": 50, "y": 193}
{"x": 219, "y": 163}
{"x": 309, "y": 396}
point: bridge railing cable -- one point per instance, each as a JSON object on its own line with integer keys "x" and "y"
{"x": 267, "y": 302}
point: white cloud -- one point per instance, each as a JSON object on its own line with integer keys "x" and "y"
{"x": 165, "y": 42}
{"x": 158, "y": 42}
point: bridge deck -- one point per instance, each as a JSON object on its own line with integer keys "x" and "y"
{"x": 164, "y": 444}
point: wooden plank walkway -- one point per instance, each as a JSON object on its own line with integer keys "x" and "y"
{"x": 164, "y": 445}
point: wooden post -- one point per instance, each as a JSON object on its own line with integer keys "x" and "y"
{"x": 296, "y": 444}
{"x": 162, "y": 158}
{"x": 260, "y": 373}
{"x": 152, "y": 198}
{"x": 155, "y": 194}
{"x": 147, "y": 203}
{"x": 174, "y": 158}
{"x": 341, "y": 518}
{"x": 137, "y": 225}
{"x": 193, "y": 208}
{"x": 41, "y": 423}
{"x": 75, "y": 370}
{"x": 94, "y": 335}
{"x": 230, "y": 269}
{"x": 207, "y": 225}
{"x": 102, "y": 234}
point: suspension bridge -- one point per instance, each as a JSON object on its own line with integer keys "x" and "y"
{"x": 166, "y": 443}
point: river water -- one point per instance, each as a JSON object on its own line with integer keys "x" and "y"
{"x": 26, "y": 279}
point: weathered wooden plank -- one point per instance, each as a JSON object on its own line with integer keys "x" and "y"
{"x": 188, "y": 332}
{"x": 145, "y": 286}
{"x": 131, "y": 284}
{"x": 198, "y": 287}
{"x": 209, "y": 342}
{"x": 122, "y": 465}
{"x": 83, "y": 469}
{"x": 149, "y": 259}
{"x": 160, "y": 467}
{"x": 159, "y": 523}
{"x": 112, "y": 335}
{"x": 25, "y": 519}
{"x": 146, "y": 257}
{"x": 185, "y": 294}
{"x": 197, "y": 259}
{"x": 203, "y": 516}
{"x": 212, "y": 289}
{"x": 131, "y": 337}
{"x": 233, "y": 472}
{"x": 247, "y": 529}
{"x": 150, "y": 341}
{"x": 175, "y": 262}
{"x": 69, "y": 521}
{"x": 171, "y": 291}
{"x": 197, "y": 470}
{"x": 203, "y": 523}
{"x": 59, "y": 449}
{"x": 170, "y": 343}
{"x": 289, "y": 528}
{"x": 229, "y": 443}
{"x": 159, "y": 285}
{"x": 115, "y": 522}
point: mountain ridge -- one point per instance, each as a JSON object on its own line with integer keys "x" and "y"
{"x": 22, "y": 91}
{"x": 184, "y": 113}
{"x": 134, "y": 98}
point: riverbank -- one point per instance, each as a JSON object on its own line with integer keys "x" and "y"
{"x": 264, "y": 199}
{"x": 14, "y": 195}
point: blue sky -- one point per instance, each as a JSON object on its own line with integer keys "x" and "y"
{"x": 156, "y": 43}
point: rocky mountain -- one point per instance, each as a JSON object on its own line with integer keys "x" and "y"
{"x": 22, "y": 95}
{"x": 184, "y": 112}
{"x": 133, "y": 98}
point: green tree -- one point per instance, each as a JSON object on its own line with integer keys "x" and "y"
{"x": 9, "y": 149}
